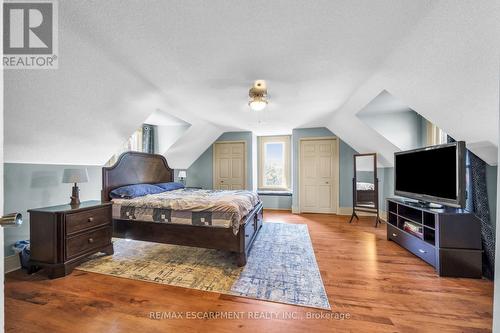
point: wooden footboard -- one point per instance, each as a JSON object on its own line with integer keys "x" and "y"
{"x": 197, "y": 236}
{"x": 248, "y": 233}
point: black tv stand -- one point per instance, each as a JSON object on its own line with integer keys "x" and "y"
{"x": 447, "y": 238}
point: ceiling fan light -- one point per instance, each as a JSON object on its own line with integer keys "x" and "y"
{"x": 257, "y": 104}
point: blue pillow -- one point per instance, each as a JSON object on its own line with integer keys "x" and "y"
{"x": 170, "y": 186}
{"x": 134, "y": 191}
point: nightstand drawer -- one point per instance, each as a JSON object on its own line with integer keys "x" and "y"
{"x": 88, "y": 241}
{"x": 88, "y": 219}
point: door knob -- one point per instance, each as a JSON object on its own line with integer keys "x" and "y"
{"x": 222, "y": 181}
{"x": 327, "y": 183}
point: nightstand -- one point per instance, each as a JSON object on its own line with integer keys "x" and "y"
{"x": 61, "y": 237}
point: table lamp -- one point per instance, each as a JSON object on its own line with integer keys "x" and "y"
{"x": 75, "y": 176}
{"x": 182, "y": 176}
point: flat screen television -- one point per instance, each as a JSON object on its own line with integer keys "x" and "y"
{"x": 433, "y": 174}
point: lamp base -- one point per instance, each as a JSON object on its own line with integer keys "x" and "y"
{"x": 75, "y": 196}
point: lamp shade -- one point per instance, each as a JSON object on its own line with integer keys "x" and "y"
{"x": 182, "y": 174}
{"x": 75, "y": 176}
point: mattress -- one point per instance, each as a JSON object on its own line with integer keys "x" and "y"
{"x": 361, "y": 186}
{"x": 210, "y": 208}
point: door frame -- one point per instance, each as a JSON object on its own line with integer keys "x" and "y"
{"x": 336, "y": 163}
{"x": 245, "y": 152}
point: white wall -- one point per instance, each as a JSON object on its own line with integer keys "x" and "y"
{"x": 446, "y": 70}
{"x": 168, "y": 135}
{"x": 2, "y": 302}
{"x": 400, "y": 128}
{"x": 496, "y": 299}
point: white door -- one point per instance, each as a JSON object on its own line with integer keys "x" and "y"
{"x": 229, "y": 166}
{"x": 318, "y": 176}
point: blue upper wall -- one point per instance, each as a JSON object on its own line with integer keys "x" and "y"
{"x": 37, "y": 185}
{"x": 28, "y": 186}
{"x": 201, "y": 172}
{"x": 346, "y": 166}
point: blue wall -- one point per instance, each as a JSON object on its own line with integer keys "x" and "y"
{"x": 345, "y": 164}
{"x": 403, "y": 129}
{"x": 39, "y": 185}
{"x": 200, "y": 173}
{"x": 276, "y": 201}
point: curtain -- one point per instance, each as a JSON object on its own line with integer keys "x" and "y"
{"x": 477, "y": 202}
{"x": 148, "y": 138}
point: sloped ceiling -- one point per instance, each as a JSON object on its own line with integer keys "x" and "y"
{"x": 447, "y": 70}
{"x": 323, "y": 60}
{"x": 122, "y": 60}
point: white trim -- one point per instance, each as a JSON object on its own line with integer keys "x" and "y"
{"x": 336, "y": 162}
{"x": 279, "y": 209}
{"x": 12, "y": 263}
{"x": 347, "y": 211}
{"x": 435, "y": 135}
{"x": 286, "y": 141}
{"x": 245, "y": 159}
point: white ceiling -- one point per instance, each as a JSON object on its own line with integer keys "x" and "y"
{"x": 162, "y": 118}
{"x": 447, "y": 70}
{"x": 384, "y": 103}
{"x": 122, "y": 60}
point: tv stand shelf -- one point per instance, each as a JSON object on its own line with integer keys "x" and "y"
{"x": 447, "y": 238}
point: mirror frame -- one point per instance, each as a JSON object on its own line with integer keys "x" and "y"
{"x": 360, "y": 208}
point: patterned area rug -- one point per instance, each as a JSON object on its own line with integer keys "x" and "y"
{"x": 281, "y": 267}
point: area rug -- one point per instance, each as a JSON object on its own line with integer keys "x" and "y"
{"x": 281, "y": 267}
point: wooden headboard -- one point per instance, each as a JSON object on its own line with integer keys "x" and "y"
{"x": 135, "y": 168}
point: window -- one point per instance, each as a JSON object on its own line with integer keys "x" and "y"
{"x": 274, "y": 163}
{"x": 143, "y": 140}
{"x": 435, "y": 135}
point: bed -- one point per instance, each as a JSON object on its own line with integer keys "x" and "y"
{"x": 187, "y": 223}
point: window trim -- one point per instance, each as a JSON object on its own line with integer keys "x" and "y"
{"x": 435, "y": 135}
{"x": 133, "y": 143}
{"x": 262, "y": 141}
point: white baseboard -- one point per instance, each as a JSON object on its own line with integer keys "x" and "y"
{"x": 348, "y": 211}
{"x": 278, "y": 209}
{"x": 12, "y": 263}
{"x": 295, "y": 210}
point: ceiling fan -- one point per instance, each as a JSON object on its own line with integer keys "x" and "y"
{"x": 258, "y": 96}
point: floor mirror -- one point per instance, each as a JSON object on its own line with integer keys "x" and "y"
{"x": 365, "y": 186}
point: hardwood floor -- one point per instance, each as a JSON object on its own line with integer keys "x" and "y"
{"x": 380, "y": 286}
